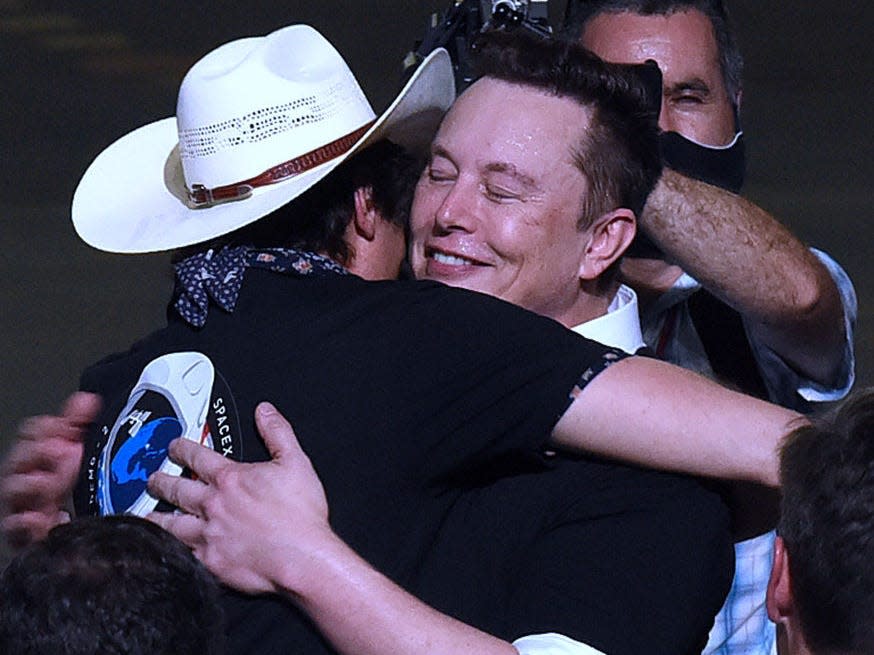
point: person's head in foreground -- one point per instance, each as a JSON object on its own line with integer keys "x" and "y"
{"x": 109, "y": 586}
{"x": 535, "y": 177}
{"x": 821, "y": 592}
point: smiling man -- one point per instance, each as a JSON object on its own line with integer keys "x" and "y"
{"x": 500, "y": 206}
{"x": 531, "y": 193}
{"x": 434, "y": 432}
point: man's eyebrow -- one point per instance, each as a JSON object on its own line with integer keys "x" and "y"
{"x": 504, "y": 168}
{"x": 439, "y": 151}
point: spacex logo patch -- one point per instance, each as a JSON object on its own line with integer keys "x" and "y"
{"x": 172, "y": 398}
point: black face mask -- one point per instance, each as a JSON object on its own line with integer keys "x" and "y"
{"x": 721, "y": 166}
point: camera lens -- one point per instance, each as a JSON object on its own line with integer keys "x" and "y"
{"x": 507, "y": 13}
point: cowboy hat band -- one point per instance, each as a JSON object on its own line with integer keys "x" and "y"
{"x": 201, "y": 196}
{"x": 258, "y": 121}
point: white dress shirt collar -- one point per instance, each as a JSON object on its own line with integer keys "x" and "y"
{"x": 620, "y": 326}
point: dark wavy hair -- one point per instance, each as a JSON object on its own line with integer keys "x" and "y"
{"x": 109, "y": 586}
{"x": 317, "y": 219}
{"x": 580, "y": 12}
{"x": 827, "y": 524}
{"x": 619, "y": 152}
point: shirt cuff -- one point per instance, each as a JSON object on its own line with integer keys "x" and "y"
{"x": 839, "y": 388}
{"x": 552, "y": 643}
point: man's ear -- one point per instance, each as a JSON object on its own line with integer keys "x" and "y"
{"x": 779, "y": 595}
{"x": 365, "y": 213}
{"x": 609, "y": 237}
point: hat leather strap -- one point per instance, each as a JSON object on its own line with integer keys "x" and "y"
{"x": 201, "y": 196}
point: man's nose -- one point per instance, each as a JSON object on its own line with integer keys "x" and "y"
{"x": 666, "y": 118}
{"x": 456, "y": 211}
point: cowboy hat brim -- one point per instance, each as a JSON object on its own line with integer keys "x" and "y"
{"x": 133, "y": 198}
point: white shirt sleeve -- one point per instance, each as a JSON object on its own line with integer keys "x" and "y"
{"x": 784, "y": 384}
{"x": 552, "y": 643}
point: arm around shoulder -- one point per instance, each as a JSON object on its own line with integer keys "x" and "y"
{"x": 652, "y": 413}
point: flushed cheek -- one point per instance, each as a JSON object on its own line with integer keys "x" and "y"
{"x": 426, "y": 202}
{"x": 512, "y": 236}
{"x": 422, "y": 214}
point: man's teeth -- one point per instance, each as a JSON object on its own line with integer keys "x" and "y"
{"x": 451, "y": 260}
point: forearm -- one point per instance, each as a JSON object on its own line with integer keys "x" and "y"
{"x": 647, "y": 412}
{"x": 262, "y": 527}
{"x": 361, "y": 612}
{"x": 746, "y": 257}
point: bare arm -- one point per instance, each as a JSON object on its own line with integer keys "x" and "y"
{"x": 747, "y": 258}
{"x": 659, "y": 415}
{"x": 362, "y": 612}
{"x": 40, "y": 471}
{"x": 263, "y": 528}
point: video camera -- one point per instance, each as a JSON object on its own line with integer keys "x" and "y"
{"x": 459, "y": 26}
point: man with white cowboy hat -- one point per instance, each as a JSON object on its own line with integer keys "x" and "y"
{"x": 396, "y": 388}
{"x": 252, "y": 124}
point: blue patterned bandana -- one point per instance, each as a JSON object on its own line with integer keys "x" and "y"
{"x": 219, "y": 275}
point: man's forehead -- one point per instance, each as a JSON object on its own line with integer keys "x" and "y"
{"x": 682, "y": 42}
{"x": 499, "y": 106}
{"x": 501, "y": 95}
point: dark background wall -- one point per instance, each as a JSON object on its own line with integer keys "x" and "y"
{"x": 77, "y": 75}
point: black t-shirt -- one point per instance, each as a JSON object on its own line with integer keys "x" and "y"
{"x": 623, "y": 559}
{"x": 403, "y": 394}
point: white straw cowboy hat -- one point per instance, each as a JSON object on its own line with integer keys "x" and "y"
{"x": 258, "y": 122}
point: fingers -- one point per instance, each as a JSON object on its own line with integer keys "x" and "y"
{"x": 186, "y": 528}
{"x": 42, "y": 466}
{"x": 204, "y": 462}
{"x": 24, "y": 528}
{"x": 35, "y": 490}
{"x": 47, "y": 454}
{"x": 37, "y": 478}
{"x": 277, "y": 432}
{"x": 187, "y": 495}
{"x": 41, "y": 428}
{"x": 81, "y": 408}
{"x": 40, "y": 444}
